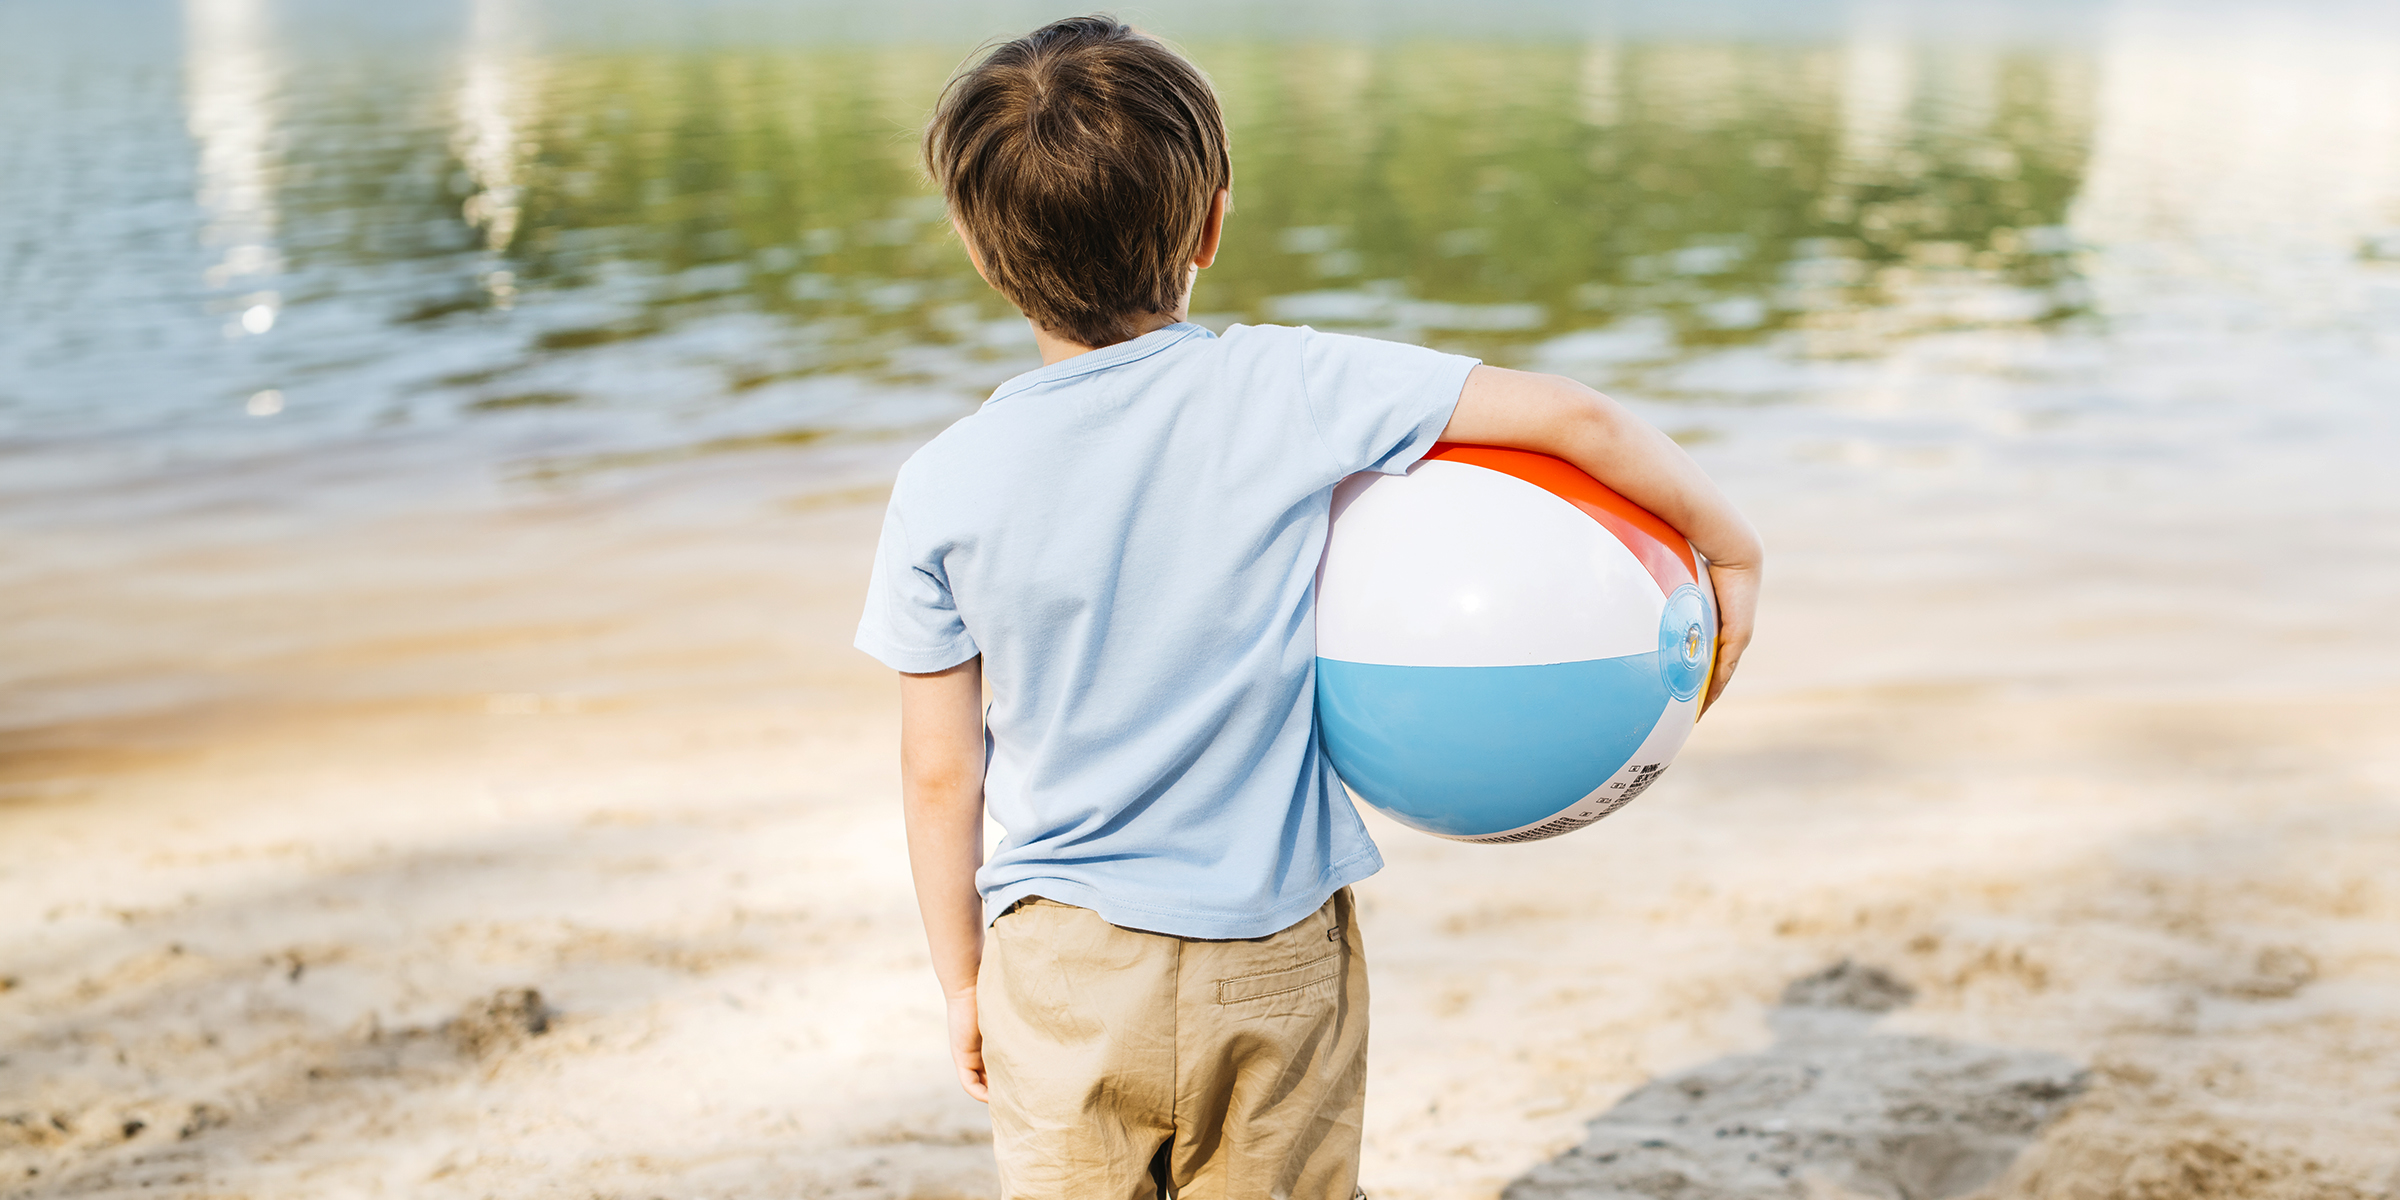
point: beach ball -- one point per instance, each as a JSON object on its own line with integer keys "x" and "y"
{"x": 1506, "y": 649}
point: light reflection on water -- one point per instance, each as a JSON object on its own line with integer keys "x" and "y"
{"x": 513, "y": 221}
{"x": 507, "y": 223}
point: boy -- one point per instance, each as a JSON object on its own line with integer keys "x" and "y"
{"x": 1121, "y": 545}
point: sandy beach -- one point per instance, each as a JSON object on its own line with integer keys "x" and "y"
{"x": 551, "y": 848}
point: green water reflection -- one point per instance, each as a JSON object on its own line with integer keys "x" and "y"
{"x": 1488, "y": 196}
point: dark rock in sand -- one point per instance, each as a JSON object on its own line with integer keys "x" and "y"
{"x": 202, "y": 1118}
{"x": 1900, "y": 1118}
{"x": 509, "y": 1017}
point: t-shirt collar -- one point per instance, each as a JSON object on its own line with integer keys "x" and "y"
{"x": 1101, "y": 359}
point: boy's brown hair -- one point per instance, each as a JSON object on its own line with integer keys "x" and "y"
{"x": 1080, "y": 160}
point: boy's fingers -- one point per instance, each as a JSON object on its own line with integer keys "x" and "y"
{"x": 1737, "y": 605}
{"x": 1724, "y": 675}
{"x": 971, "y": 1073}
{"x": 966, "y": 1047}
{"x": 1730, "y": 645}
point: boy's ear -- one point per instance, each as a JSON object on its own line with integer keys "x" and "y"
{"x": 1214, "y": 232}
{"x": 969, "y": 243}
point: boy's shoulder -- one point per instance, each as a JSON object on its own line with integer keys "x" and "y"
{"x": 1252, "y": 376}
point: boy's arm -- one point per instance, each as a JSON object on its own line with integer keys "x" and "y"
{"x": 1565, "y": 419}
{"x": 941, "y": 791}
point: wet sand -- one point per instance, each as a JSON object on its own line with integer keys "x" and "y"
{"x": 549, "y": 847}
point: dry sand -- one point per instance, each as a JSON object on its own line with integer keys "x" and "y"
{"x": 573, "y": 868}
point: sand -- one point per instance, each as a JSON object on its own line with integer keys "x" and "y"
{"x": 548, "y": 846}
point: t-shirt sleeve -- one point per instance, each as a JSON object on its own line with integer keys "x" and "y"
{"x": 1378, "y": 405}
{"x": 912, "y": 622}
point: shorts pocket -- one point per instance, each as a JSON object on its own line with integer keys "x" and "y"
{"x": 1276, "y": 983}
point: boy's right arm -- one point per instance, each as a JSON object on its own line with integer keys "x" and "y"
{"x": 1565, "y": 419}
{"x": 941, "y": 791}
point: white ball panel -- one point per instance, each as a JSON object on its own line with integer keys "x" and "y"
{"x": 1454, "y": 565}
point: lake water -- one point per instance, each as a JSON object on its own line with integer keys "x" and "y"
{"x": 2099, "y": 304}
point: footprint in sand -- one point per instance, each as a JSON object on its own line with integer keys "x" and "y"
{"x": 1832, "y": 1108}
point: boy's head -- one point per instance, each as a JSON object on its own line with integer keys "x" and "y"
{"x": 1080, "y": 162}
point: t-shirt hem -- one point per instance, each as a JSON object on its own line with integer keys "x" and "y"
{"x": 1186, "y": 921}
{"x": 1428, "y": 432}
{"x": 913, "y": 661}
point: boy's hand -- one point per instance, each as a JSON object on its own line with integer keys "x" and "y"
{"x": 966, "y": 1046}
{"x": 1737, "y": 608}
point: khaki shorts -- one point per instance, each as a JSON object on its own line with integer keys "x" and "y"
{"x": 1127, "y": 1065}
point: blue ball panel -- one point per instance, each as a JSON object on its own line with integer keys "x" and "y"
{"x": 1467, "y": 751}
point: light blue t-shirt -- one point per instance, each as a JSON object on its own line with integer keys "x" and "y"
{"x": 1130, "y": 539}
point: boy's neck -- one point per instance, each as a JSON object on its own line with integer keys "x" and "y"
{"x": 1058, "y": 349}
